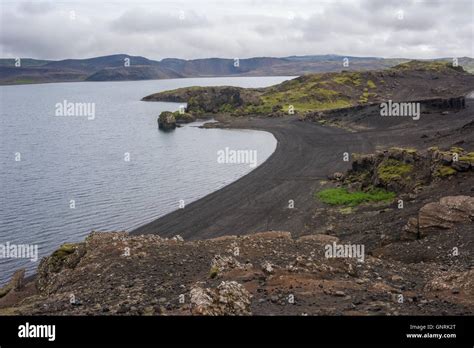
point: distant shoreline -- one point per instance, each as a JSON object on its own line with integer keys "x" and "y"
{"x": 114, "y": 67}
{"x": 122, "y": 81}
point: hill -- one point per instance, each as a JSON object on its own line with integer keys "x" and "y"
{"x": 25, "y": 62}
{"x": 112, "y": 67}
{"x": 36, "y": 71}
{"x": 94, "y": 64}
{"x": 149, "y": 72}
{"x": 317, "y": 92}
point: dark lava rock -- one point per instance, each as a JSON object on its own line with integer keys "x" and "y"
{"x": 166, "y": 121}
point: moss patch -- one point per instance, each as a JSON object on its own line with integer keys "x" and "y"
{"x": 393, "y": 170}
{"x": 183, "y": 117}
{"x": 64, "y": 250}
{"x": 348, "y": 78}
{"x": 213, "y": 272}
{"x": 346, "y": 210}
{"x": 468, "y": 157}
{"x": 371, "y": 84}
{"x": 425, "y": 66}
{"x": 457, "y": 149}
{"x": 409, "y": 150}
{"x": 444, "y": 171}
{"x": 303, "y": 97}
{"x": 365, "y": 96}
{"x": 342, "y": 196}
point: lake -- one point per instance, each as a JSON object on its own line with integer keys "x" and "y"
{"x": 62, "y": 177}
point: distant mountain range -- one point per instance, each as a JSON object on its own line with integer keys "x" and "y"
{"x": 122, "y": 67}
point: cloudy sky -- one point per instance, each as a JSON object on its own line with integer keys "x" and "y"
{"x": 236, "y": 28}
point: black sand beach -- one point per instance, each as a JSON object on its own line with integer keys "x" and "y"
{"x": 306, "y": 154}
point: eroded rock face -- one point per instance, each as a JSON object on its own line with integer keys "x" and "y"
{"x": 210, "y": 100}
{"x": 63, "y": 259}
{"x": 166, "y": 121}
{"x": 395, "y": 169}
{"x": 15, "y": 283}
{"x": 405, "y": 169}
{"x": 229, "y": 298}
{"x": 440, "y": 215}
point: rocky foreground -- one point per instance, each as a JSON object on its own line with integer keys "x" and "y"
{"x": 424, "y": 267}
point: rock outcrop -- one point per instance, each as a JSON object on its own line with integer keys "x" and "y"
{"x": 166, "y": 121}
{"x": 203, "y": 101}
{"x": 61, "y": 262}
{"x": 268, "y": 273}
{"x": 439, "y": 216}
{"x": 16, "y": 283}
{"x": 229, "y": 298}
{"x": 404, "y": 169}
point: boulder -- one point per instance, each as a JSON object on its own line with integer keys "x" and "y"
{"x": 461, "y": 166}
{"x": 166, "y": 121}
{"x": 201, "y": 301}
{"x": 268, "y": 267}
{"x": 220, "y": 264}
{"x": 440, "y": 215}
{"x": 404, "y": 170}
{"x": 337, "y": 176}
{"x": 229, "y": 298}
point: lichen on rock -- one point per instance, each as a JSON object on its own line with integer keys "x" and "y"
{"x": 229, "y": 298}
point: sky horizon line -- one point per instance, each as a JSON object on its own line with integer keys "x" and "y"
{"x": 231, "y": 58}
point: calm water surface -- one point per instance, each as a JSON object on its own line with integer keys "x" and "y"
{"x": 46, "y": 161}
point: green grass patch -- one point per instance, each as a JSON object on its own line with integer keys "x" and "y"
{"x": 342, "y": 196}
{"x": 371, "y": 84}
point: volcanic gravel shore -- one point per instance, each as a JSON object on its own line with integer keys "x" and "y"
{"x": 307, "y": 152}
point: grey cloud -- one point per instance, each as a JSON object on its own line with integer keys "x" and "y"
{"x": 245, "y": 28}
{"x": 36, "y": 7}
{"x": 141, "y": 20}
